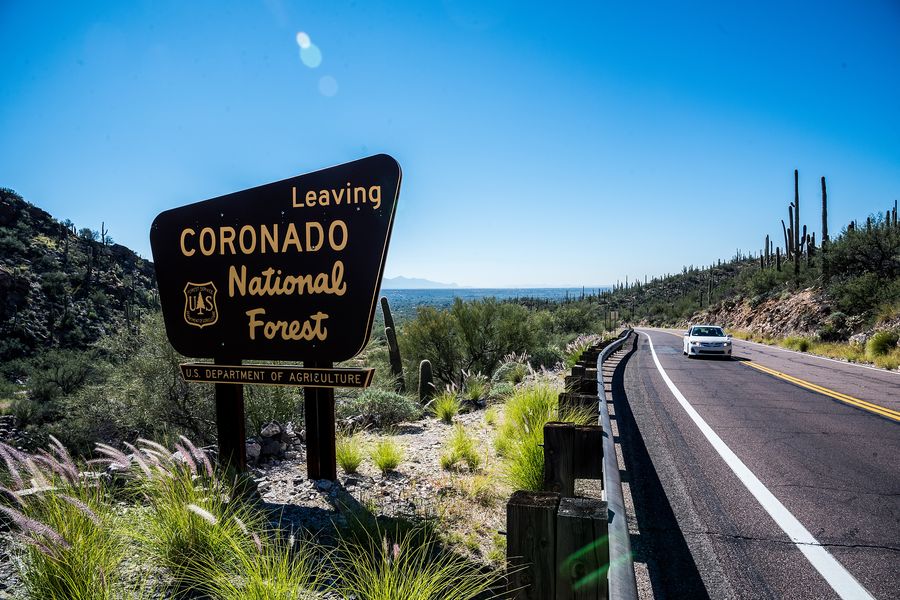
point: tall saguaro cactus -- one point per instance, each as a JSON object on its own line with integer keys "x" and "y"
{"x": 390, "y": 333}
{"x": 797, "y": 249}
{"x": 426, "y": 381}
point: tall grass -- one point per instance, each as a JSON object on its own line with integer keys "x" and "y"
{"x": 270, "y": 569}
{"x": 446, "y": 405}
{"x": 194, "y": 520}
{"x": 520, "y": 437}
{"x": 349, "y": 452}
{"x": 412, "y": 565}
{"x": 70, "y": 535}
{"x": 460, "y": 447}
{"x": 387, "y": 455}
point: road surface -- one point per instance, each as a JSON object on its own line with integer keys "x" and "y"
{"x": 778, "y": 473}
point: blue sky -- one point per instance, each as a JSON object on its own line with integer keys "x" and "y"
{"x": 540, "y": 143}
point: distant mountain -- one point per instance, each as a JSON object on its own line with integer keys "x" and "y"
{"x": 61, "y": 287}
{"x": 414, "y": 283}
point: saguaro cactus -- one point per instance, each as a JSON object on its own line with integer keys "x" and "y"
{"x": 778, "y": 258}
{"x": 426, "y": 381}
{"x": 797, "y": 248}
{"x": 394, "y": 353}
{"x": 386, "y": 310}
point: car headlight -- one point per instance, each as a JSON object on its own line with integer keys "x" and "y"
{"x": 695, "y": 343}
{"x": 726, "y": 344}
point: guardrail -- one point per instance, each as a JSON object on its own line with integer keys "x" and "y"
{"x": 622, "y": 584}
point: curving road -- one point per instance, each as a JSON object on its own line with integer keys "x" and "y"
{"x": 782, "y": 470}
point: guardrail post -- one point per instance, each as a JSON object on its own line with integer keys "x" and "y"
{"x": 559, "y": 458}
{"x": 582, "y": 549}
{"x": 588, "y": 462}
{"x": 531, "y": 545}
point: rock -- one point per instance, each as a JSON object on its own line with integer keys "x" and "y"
{"x": 271, "y": 447}
{"x": 253, "y": 451}
{"x": 271, "y": 430}
{"x": 262, "y": 485}
{"x": 859, "y": 340}
{"x": 323, "y": 485}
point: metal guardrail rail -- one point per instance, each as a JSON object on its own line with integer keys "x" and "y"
{"x": 622, "y": 584}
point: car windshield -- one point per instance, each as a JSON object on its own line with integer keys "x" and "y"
{"x": 708, "y": 332}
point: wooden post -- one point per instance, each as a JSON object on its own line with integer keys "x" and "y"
{"x": 582, "y": 549}
{"x": 531, "y": 545}
{"x": 571, "y": 401}
{"x": 559, "y": 458}
{"x": 588, "y": 460}
{"x": 230, "y": 422}
{"x": 318, "y": 404}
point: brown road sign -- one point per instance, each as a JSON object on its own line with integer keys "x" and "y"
{"x": 285, "y": 271}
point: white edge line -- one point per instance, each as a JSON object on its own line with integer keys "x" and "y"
{"x": 806, "y": 354}
{"x": 841, "y": 581}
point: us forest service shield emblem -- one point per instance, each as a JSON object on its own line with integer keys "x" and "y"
{"x": 200, "y": 304}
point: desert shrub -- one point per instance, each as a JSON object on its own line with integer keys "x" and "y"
{"x": 380, "y": 408}
{"x": 475, "y": 386}
{"x": 460, "y": 447}
{"x": 446, "y": 405}
{"x": 546, "y": 356}
{"x": 500, "y": 391}
{"x": 881, "y": 343}
{"x": 386, "y": 454}
{"x": 349, "y": 452}
{"x": 472, "y": 336}
{"x": 796, "y": 343}
{"x": 433, "y": 335}
{"x": 511, "y": 371}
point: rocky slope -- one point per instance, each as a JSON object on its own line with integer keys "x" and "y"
{"x": 60, "y": 287}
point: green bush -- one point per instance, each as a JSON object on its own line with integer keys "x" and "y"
{"x": 881, "y": 343}
{"x": 380, "y": 408}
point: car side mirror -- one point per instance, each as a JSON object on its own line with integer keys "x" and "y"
{"x": 687, "y": 333}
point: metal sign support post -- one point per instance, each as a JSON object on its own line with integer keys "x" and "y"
{"x": 320, "y": 429}
{"x": 230, "y": 423}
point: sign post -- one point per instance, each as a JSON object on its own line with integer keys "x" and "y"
{"x": 288, "y": 271}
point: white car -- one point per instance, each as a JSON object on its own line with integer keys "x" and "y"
{"x": 706, "y": 340}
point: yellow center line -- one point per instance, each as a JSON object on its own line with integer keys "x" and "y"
{"x": 874, "y": 408}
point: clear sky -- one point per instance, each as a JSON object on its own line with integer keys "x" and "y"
{"x": 540, "y": 143}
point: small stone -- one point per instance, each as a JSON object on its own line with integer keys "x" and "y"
{"x": 271, "y": 430}
{"x": 253, "y": 451}
{"x": 324, "y": 485}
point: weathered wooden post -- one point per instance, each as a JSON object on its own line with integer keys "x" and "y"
{"x": 582, "y": 549}
{"x": 531, "y": 545}
{"x": 231, "y": 423}
{"x": 559, "y": 458}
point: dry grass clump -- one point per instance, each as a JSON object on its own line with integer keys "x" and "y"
{"x": 387, "y": 455}
{"x": 460, "y": 447}
{"x": 349, "y": 452}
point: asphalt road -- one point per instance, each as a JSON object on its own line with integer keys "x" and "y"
{"x": 814, "y": 461}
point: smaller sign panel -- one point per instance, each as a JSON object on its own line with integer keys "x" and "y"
{"x": 277, "y": 375}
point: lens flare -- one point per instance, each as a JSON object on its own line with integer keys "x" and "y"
{"x": 311, "y": 56}
{"x": 328, "y": 86}
{"x": 303, "y": 39}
